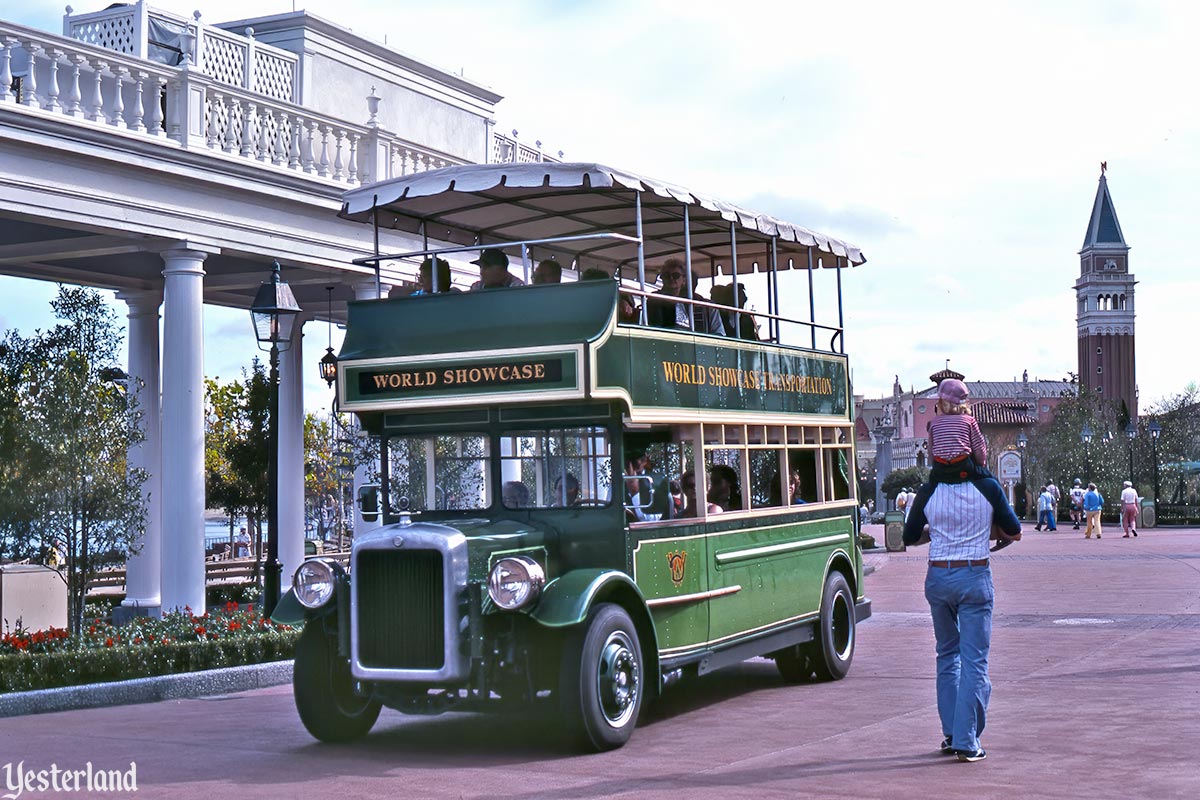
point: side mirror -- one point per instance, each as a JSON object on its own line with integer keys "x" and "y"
{"x": 368, "y": 502}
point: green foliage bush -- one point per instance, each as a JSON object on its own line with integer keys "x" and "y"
{"x": 181, "y": 642}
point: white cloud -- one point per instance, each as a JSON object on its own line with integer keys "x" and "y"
{"x": 957, "y": 143}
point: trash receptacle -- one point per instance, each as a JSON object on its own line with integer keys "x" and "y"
{"x": 1146, "y": 516}
{"x": 893, "y": 531}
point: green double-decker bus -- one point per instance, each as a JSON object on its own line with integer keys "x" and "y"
{"x": 590, "y": 491}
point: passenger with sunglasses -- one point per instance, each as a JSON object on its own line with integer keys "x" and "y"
{"x": 667, "y": 314}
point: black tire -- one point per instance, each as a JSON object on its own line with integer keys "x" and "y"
{"x": 603, "y": 680}
{"x": 833, "y": 648}
{"x": 795, "y": 663}
{"x": 324, "y": 690}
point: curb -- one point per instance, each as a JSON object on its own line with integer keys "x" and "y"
{"x": 147, "y": 690}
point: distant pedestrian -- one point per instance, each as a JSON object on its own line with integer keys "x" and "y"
{"x": 1045, "y": 503}
{"x": 1076, "y": 494}
{"x": 1129, "y": 508}
{"x": 1057, "y": 499}
{"x": 1093, "y": 503}
{"x": 961, "y": 596}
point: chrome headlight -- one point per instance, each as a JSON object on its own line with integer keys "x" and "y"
{"x": 515, "y": 582}
{"x": 315, "y": 581}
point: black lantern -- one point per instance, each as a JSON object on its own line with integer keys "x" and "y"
{"x": 1155, "y": 431}
{"x": 1085, "y": 436}
{"x": 328, "y": 364}
{"x": 274, "y": 314}
{"x": 1022, "y": 443}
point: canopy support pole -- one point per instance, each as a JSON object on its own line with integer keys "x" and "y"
{"x": 525, "y": 262}
{"x": 773, "y": 293}
{"x": 375, "y": 226}
{"x": 384, "y": 480}
{"x": 687, "y": 260}
{"x": 432, "y": 261}
{"x": 837, "y": 263}
{"x": 737, "y": 314}
{"x": 812, "y": 303}
{"x": 637, "y": 199}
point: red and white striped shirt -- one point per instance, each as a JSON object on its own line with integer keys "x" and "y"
{"x": 951, "y": 436}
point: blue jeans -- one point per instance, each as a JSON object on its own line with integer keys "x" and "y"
{"x": 1047, "y": 518}
{"x": 960, "y": 601}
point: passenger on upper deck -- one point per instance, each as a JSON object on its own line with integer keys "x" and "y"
{"x": 549, "y": 271}
{"x": 425, "y": 277}
{"x": 724, "y": 295}
{"x": 664, "y": 314}
{"x": 493, "y": 271}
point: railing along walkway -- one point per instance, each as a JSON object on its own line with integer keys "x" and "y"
{"x": 233, "y": 570}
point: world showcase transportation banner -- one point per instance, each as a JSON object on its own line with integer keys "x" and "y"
{"x": 662, "y": 373}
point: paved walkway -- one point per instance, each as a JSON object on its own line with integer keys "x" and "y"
{"x": 1095, "y": 665}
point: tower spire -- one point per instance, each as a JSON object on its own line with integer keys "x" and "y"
{"x": 1103, "y": 228}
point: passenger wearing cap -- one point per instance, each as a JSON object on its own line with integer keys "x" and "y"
{"x": 959, "y": 452}
{"x": 493, "y": 271}
{"x": 1129, "y": 507}
{"x": 1076, "y": 494}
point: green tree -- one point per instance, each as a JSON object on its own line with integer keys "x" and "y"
{"x": 66, "y": 493}
{"x": 235, "y": 447}
{"x": 911, "y": 477}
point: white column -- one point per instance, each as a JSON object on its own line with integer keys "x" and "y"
{"x": 291, "y": 454}
{"x": 365, "y": 290}
{"x": 183, "y": 431}
{"x": 143, "y": 571}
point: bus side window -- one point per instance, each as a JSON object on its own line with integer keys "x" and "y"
{"x": 805, "y": 462}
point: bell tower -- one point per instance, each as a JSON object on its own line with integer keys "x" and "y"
{"x": 1104, "y": 303}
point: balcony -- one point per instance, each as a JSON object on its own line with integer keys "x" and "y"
{"x": 188, "y": 85}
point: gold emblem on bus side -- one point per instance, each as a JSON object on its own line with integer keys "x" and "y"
{"x": 676, "y": 561}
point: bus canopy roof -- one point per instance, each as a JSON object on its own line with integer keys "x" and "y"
{"x": 497, "y": 203}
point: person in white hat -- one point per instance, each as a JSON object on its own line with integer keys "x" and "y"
{"x": 1129, "y": 507}
{"x": 1076, "y": 494}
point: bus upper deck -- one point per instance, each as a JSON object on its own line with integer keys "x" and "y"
{"x": 590, "y": 216}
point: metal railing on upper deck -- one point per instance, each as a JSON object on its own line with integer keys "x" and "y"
{"x": 632, "y": 289}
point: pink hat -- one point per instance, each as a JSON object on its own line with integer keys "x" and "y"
{"x": 952, "y": 390}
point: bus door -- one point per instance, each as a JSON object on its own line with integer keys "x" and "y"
{"x": 669, "y": 547}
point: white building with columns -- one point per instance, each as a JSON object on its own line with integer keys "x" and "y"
{"x": 172, "y": 161}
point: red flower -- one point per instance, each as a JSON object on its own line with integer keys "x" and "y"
{"x": 108, "y": 642}
{"x": 200, "y": 630}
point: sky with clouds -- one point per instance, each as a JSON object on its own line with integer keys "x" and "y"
{"x": 958, "y": 144}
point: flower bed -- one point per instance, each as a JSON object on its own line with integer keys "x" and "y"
{"x": 179, "y": 642}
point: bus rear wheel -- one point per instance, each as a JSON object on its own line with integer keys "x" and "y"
{"x": 833, "y": 648}
{"x": 603, "y": 679}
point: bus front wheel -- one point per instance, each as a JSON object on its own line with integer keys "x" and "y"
{"x": 603, "y": 679}
{"x": 833, "y": 647}
{"x": 324, "y": 690}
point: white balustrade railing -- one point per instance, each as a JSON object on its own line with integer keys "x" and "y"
{"x": 237, "y": 60}
{"x": 508, "y": 149}
{"x": 179, "y": 107}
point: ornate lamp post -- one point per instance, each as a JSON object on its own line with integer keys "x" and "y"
{"x": 274, "y": 314}
{"x": 1022, "y": 443}
{"x": 1131, "y": 434}
{"x": 1085, "y": 436}
{"x": 1155, "y": 431}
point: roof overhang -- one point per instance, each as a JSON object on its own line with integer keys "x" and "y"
{"x": 500, "y": 203}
